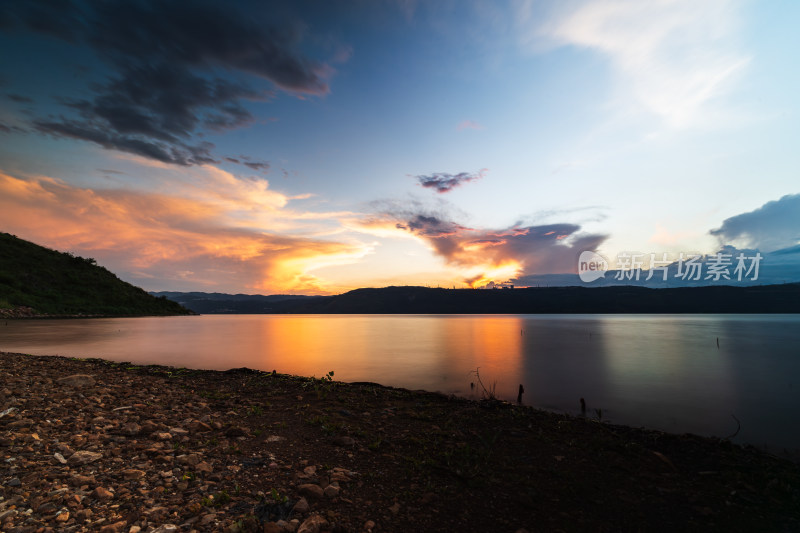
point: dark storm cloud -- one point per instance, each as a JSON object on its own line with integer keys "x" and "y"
{"x": 257, "y": 165}
{"x": 5, "y": 128}
{"x": 443, "y": 182}
{"x": 57, "y": 18}
{"x": 261, "y": 166}
{"x": 164, "y": 89}
{"x": 19, "y": 98}
{"x": 772, "y": 226}
{"x": 167, "y": 103}
{"x": 430, "y": 226}
{"x": 166, "y": 152}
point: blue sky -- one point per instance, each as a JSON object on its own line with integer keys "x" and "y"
{"x": 283, "y": 146}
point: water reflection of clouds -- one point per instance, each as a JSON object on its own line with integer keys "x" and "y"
{"x": 660, "y": 371}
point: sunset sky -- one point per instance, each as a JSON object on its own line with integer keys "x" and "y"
{"x": 315, "y": 147}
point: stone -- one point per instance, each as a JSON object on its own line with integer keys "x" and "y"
{"x": 301, "y": 507}
{"x": 395, "y": 508}
{"x": 312, "y": 524}
{"x": 131, "y": 429}
{"x": 132, "y": 473}
{"x": 309, "y": 490}
{"x": 369, "y": 525}
{"x": 203, "y": 467}
{"x": 199, "y": 427}
{"x": 166, "y": 528}
{"x": 189, "y": 460}
{"x": 344, "y": 442}
{"x": 84, "y": 514}
{"x": 84, "y": 457}
{"x": 76, "y": 381}
{"x": 208, "y": 519}
{"x": 331, "y": 491}
{"x": 163, "y": 436}
{"x": 272, "y": 527}
{"x": 13, "y": 482}
{"x": 60, "y": 458}
{"x": 116, "y": 527}
{"x": 62, "y": 516}
{"x": 235, "y": 431}
{"x": 46, "y": 508}
{"x": 102, "y": 494}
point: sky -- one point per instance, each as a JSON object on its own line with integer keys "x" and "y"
{"x": 315, "y": 147}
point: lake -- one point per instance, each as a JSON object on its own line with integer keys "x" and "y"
{"x": 679, "y": 373}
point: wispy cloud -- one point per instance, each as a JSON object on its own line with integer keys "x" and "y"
{"x": 676, "y": 56}
{"x": 443, "y": 182}
{"x": 772, "y": 226}
{"x": 156, "y": 237}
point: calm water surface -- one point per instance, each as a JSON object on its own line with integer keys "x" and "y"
{"x": 660, "y": 371}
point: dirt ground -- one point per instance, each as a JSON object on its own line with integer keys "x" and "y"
{"x": 127, "y": 448}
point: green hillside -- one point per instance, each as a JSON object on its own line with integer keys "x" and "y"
{"x": 55, "y": 283}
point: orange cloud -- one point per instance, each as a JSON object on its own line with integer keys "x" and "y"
{"x": 170, "y": 242}
{"x": 484, "y": 255}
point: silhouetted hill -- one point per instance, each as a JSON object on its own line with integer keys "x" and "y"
{"x": 421, "y": 300}
{"x": 219, "y": 303}
{"x": 56, "y": 283}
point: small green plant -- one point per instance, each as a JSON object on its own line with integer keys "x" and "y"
{"x": 256, "y": 410}
{"x": 214, "y": 395}
{"x": 216, "y": 500}
{"x": 322, "y": 386}
{"x": 277, "y": 497}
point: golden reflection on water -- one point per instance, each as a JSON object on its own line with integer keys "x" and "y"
{"x": 662, "y": 371}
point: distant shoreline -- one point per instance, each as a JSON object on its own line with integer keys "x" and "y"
{"x": 714, "y": 299}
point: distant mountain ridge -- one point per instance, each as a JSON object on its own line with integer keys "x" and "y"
{"x": 220, "y": 303}
{"x": 783, "y": 298}
{"x": 35, "y": 280}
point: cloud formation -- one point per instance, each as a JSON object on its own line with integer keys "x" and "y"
{"x": 773, "y": 226}
{"x": 486, "y": 255}
{"x": 163, "y": 91}
{"x": 675, "y": 56}
{"x": 443, "y": 182}
{"x": 165, "y": 241}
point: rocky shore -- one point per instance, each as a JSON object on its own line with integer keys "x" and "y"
{"x": 91, "y": 445}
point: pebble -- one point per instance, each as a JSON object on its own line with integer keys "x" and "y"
{"x": 76, "y": 381}
{"x": 84, "y": 457}
{"x": 77, "y": 461}
{"x": 312, "y": 524}
{"x": 309, "y": 490}
{"x": 301, "y": 507}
